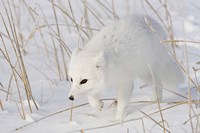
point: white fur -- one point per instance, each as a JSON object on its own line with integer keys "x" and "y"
{"x": 121, "y": 52}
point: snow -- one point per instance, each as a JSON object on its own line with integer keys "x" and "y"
{"x": 51, "y": 94}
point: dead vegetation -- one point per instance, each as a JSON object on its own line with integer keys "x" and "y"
{"x": 46, "y": 36}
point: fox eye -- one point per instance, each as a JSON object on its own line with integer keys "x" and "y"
{"x": 83, "y": 81}
{"x": 71, "y": 79}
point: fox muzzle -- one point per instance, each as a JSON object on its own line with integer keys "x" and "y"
{"x": 71, "y": 98}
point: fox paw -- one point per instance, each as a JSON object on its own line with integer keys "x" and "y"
{"x": 119, "y": 119}
{"x": 97, "y": 105}
{"x": 113, "y": 104}
{"x": 101, "y": 106}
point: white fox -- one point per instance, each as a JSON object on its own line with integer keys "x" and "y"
{"x": 121, "y": 52}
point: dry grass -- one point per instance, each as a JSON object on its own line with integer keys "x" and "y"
{"x": 12, "y": 37}
{"x": 158, "y": 101}
{"x": 71, "y": 112}
{"x": 1, "y": 105}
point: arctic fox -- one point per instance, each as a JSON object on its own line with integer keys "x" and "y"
{"x": 126, "y": 49}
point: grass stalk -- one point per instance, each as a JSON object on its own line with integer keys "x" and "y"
{"x": 18, "y": 55}
{"x": 165, "y": 130}
{"x": 143, "y": 127}
{"x": 181, "y": 41}
{"x": 71, "y": 112}
{"x": 158, "y": 100}
{"x": 169, "y": 24}
{"x": 1, "y": 105}
{"x": 61, "y": 47}
{"x": 21, "y": 62}
{"x": 86, "y": 18}
{"x": 14, "y": 74}
{"x": 93, "y": 13}
{"x": 158, "y": 16}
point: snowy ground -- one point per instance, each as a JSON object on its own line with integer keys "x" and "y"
{"x": 51, "y": 93}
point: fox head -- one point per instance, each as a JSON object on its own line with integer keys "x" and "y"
{"x": 86, "y": 73}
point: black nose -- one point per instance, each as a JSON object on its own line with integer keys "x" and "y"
{"x": 71, "y": 98}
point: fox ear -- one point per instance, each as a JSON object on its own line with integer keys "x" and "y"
{"x": 76, "y": 51}
{"x": 100, "y": 60}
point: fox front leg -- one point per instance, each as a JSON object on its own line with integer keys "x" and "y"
{"x": 123, "y": 97}
{"x": 95, "y": 102}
